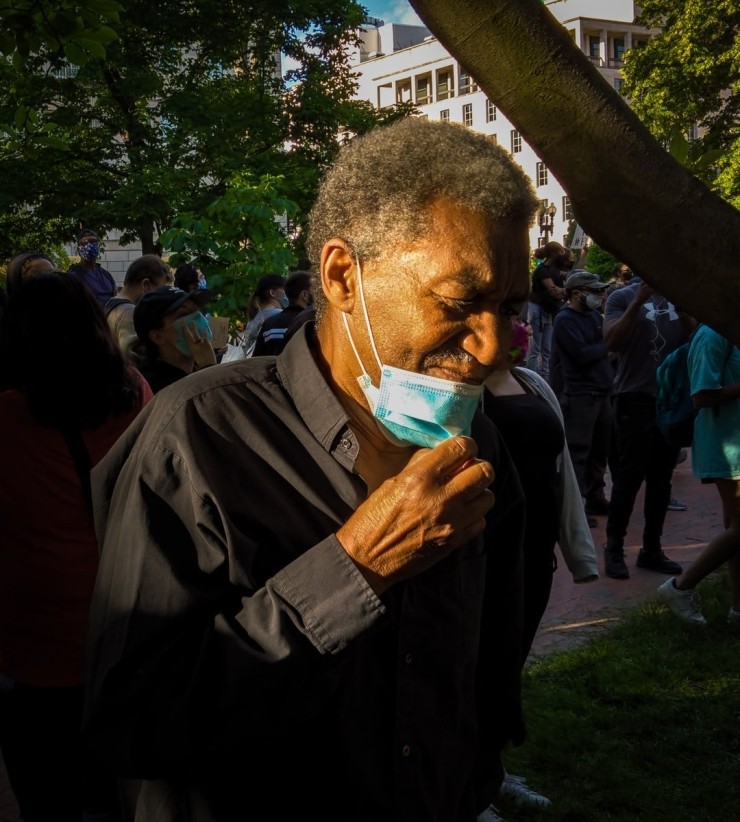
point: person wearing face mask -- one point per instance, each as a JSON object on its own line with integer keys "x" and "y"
{"x": 311, "y": 563}
{"x": 271, "y": 338}
{"x": 546, "y": 299}
{"x": 174, "y": 338}
{"x": 89, "y": 270}
{"x": 267, "y": 300}
{"x": 586, "y": 377}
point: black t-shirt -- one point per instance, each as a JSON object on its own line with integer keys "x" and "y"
{"x": 540, "y": 294}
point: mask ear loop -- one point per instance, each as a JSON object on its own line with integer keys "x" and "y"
{"x": 367, "y": 325}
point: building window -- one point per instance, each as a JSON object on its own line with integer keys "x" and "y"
{"x": 618, "y": 43}
{"x": 468, "y": 114}
{"x": 423, "y": 91}
{"x": 491, "y": 111}
{"x": 594, "y": 48}
{"x": 465, "y": 82}
{"x": 618, "y": 83}
{"x": 567, "y": 209}
{"x": 516, "y": 141}
{"x": 493, "y": 138}
{"x": 403, "y": 91}
{"x": 444, "y": 84}
{"x": 693, "y": 133}
{"x": 541, "y": 174}
{"x": 444, "y": 115}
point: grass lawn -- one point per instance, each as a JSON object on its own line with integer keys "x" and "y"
{"x": 643, "y": 722}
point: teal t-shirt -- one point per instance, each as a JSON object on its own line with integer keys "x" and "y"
{"x": 716, "y": 448}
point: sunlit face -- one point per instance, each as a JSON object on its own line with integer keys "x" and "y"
{"x": 443, "y": 304}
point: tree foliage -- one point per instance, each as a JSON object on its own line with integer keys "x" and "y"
{"x": 627, "y": 191}
{"x": 687, "y": 74}
{"x": 236, "y": 238}
{"x": 187, "y": 96}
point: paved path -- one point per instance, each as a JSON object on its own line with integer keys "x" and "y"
{"x": 575, "y": 612}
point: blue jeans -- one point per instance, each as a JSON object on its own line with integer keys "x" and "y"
{"x": 540, "y": 343}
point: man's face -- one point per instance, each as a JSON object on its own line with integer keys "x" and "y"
{"x": 442, "y": 305}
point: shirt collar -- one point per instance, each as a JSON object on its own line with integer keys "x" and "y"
{"x": 314, "y": 400}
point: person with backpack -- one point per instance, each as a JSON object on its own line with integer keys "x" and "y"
{"x": 714, "y": 372}
{"x": 643, "y": 328}
{"x": 143, "y": 274}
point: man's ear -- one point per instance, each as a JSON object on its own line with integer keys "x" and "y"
{"x": 338, "y": 275}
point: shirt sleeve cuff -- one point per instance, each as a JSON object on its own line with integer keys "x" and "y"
{"x": 330, "y": 595}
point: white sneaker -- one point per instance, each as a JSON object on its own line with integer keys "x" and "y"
{"x": 733, "y": 617}
{"x": 515, "y": 788}
{"x": 490, "y": 814}
{"x": 684, "y": 604}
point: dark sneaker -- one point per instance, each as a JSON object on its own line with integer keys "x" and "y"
{"x": 657, "y": 561}
{"x": 614, "y": 565}
{"x": 599, "y": 507}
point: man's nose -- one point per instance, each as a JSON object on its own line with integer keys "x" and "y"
{"x": 483, "y": 337}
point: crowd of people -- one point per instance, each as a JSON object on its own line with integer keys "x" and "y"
{"x": 327, "y": 547}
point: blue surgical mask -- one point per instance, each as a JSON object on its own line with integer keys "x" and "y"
{"x": 284, "y": 301}
{"x": 90, "y": 252}
{"x": 202, "y": 283}
{"x": 414, "y": 408}
{"x": 593, "y": 302}
{"x": 199, "y": 326}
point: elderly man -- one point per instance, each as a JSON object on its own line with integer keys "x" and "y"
{"x": 310, "y": 568}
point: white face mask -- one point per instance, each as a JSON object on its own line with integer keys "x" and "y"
{"x": 593, "y": 301}
{"x": 414, "y": 408}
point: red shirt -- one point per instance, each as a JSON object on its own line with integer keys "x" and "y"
{"x": 48, "y": 550}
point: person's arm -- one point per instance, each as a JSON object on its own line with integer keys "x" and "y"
{"x": 553, "y": 290}
{"x": 617, "y": 331}
{"x": 707, "y": 362}
{"x": 719, "y": 396}
{"x": 569, "y": 337}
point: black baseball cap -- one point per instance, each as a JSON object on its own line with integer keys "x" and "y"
{"x": 158, "y": 303}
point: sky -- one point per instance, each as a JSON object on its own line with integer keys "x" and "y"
{"x": 392, "y": 11}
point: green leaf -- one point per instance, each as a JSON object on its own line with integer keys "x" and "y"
{"x": 75, "y": 54}
{"x": 679, "y": 146}
{"x": 95, "y": 48}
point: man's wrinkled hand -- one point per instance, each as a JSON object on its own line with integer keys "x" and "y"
{"x": 413, "y": 520}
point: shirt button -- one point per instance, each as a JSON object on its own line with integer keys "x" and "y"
{"x": 406, "y": 750}
{"x": 409, "y": 658}
{"x": 345, "y": 443}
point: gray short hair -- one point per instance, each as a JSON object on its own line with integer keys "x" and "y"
{"x": 382, "y": 184}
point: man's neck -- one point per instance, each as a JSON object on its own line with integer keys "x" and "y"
{"x": 378, "y": 458}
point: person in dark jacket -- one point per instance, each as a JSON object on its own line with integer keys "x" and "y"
{"x": 586, "y": 376}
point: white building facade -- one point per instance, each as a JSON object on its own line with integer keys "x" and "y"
{"x": 402, "y": 63}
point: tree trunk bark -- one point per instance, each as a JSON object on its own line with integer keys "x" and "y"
{"x": 628, "y": 193}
